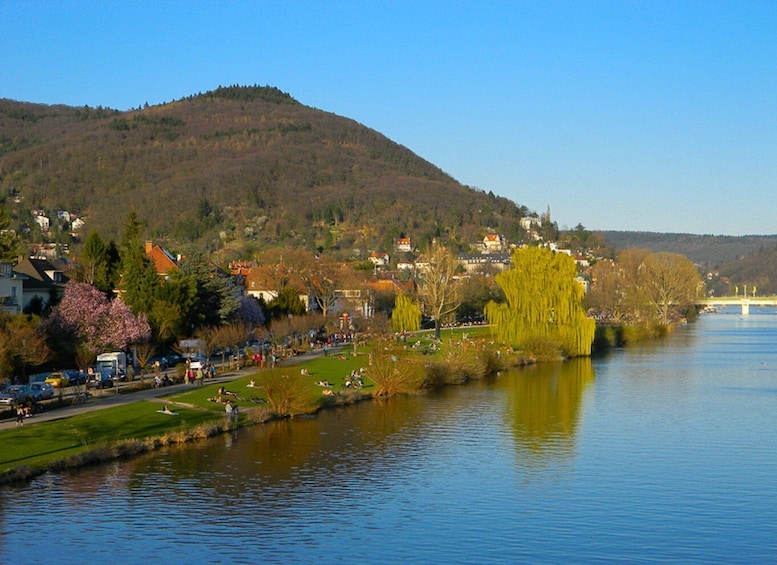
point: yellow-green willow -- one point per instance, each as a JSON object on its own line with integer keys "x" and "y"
{"x": 543, "y": 301}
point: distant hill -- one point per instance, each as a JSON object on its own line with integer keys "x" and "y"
{"x": 236, "y": 169}
{"x": 708, "y": 251}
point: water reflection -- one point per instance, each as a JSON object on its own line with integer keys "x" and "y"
{"x": 543, "y": 410}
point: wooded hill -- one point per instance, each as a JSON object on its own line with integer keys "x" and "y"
{"x": 706, "y": 251}
{"x": 236, "y": 169}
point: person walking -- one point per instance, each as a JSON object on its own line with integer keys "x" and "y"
{"x": 19, "y": 415}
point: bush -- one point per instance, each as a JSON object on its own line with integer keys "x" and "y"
{"x": 395, "y": 375}
{"x": 288, "y": 395}
{"x": 543, "y": 349}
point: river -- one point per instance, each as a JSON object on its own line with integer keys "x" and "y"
{"x": 661, "y": 452}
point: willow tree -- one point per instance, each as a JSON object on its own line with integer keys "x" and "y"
{"x": 406, "y": 316}
{"x": 543, "y": 303}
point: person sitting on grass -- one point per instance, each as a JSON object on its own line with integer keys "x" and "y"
{"x": 167, "y": 411}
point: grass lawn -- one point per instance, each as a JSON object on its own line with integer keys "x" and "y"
{"x": 41, "y": 443}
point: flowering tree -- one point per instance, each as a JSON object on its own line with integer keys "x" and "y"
{"x": 99, "y": 323}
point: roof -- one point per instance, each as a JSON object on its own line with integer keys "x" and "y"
{"x": 163, "y": 261}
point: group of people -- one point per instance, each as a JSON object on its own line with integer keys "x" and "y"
{"x": 354, "y": 380}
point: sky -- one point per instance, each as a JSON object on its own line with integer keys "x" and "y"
{"x": 655, "y": 116}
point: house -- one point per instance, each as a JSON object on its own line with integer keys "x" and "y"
{"x": 403, "y": 244}
{"x": 494, "y": 243}
{"x": 258, "y": 289}
{"x": 530, "y": 223}
{"x": 41, "y": 282}
{"x": 163, "y": 261}
{"x": 479, "y": 262}
{"x": 11, "y": 290}
{"x": 77, "y": 225}
{"x": 43, "y": 222}
{"x": 379, "y": 259}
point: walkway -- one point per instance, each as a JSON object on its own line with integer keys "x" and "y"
{"x": 107, "y": 398}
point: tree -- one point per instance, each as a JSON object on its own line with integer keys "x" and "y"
{"x": 139, "y": 277}
{"x": 100, "y": 324}
{"x": 609, "y": 291}
{"x": 406, "y": 316}
{"x": 475, "y": 293}
{"x": 22, "y": 343}
{"x": 9, "y": 239}
{"x": 287, "y": 302}
{"x": 670, "y": 282}
{"x": 438, "y": 290}
{"x": 543, "y": 303}
{"x": 216, "y": 299}
{"x": 324, "y": 281}
{"x": 98, "y": 263}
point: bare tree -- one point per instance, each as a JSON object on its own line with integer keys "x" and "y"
{"x": 438, "y": 289}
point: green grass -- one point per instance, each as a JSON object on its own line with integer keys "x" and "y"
{"x": 43, "y": 442}
{"x": 38, "y": 445}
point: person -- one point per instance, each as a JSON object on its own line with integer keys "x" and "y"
{"x": 228, "y": 410}
{"x": 199, "y": 376}
{"x": 235, "y": 413}
{"x": 166, "y": 410}
{"x": 19, "y": 415}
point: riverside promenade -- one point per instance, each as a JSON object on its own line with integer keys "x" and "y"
{"x": 107, "y": 398}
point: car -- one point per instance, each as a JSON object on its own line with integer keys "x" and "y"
{"x": 7, "y": 398}
{"x": 41, "y": 391}
{"x": 75, "y": 377}
{"x": 58, "y": 380}
{"x": 16, "y": 394}
{"x": 99, "y": 380}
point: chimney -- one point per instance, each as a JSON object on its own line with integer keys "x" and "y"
{"x": 149, "y": 247}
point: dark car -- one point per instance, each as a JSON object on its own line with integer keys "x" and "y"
{"x": 76, "y": 377}
{"x": 99, "y": 380}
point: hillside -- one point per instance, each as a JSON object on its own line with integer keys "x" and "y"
{"x": 707, "y": 251}
{"x": 237, "y": 168}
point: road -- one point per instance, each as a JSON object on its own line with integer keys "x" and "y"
{"x": 109, "y": 397}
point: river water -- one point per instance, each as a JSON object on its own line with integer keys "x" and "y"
{"x": 662, "y": 452}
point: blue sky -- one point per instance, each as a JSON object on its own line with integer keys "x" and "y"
{"x": 654, "y": 116}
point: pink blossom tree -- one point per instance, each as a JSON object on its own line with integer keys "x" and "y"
{"x": 99, "y": 323}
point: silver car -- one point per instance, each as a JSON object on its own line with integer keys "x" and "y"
{"x": 41, "y": 391}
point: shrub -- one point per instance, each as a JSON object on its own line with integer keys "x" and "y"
{"x": 543, "y": 349}
{"x": 288, "y": 395}
{"x": 395, "y": 375}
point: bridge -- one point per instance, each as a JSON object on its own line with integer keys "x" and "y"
{"x": 745, "y": 302}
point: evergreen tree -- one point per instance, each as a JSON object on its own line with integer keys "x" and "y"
{"x": 139, "y": 279}
{"x": 9, "y": 240}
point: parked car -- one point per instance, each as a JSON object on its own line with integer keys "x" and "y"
{"x": 58, "y": 380}
{"x": 41, "y": 391}
{"x": 19, "y": 394}
{"x": 75, "y": 377}
{"x": 99, "y": 380}
{"x": 7, "y": 398}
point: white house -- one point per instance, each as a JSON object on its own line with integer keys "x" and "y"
{"x": 11, "y": 290}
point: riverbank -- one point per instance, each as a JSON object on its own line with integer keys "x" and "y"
{"x": 126, "y": 425}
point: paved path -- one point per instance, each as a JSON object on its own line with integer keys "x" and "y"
{"x": 107, "y": 398}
